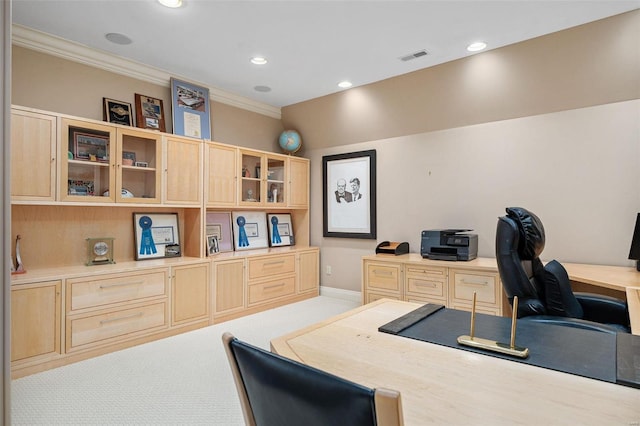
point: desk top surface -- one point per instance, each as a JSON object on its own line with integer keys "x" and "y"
{"x": 445, "y": 385}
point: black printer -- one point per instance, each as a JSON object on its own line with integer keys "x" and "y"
{"x": 449, "y": 244}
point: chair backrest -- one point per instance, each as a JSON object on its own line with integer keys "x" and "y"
{"x": 275, "y": 390}
{"x": 519, "y": 241}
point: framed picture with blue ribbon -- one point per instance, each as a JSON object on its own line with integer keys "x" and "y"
{"x": 280, "y": 229}
{"x": 156, "y": 235}
{"x": 250, "y": 230}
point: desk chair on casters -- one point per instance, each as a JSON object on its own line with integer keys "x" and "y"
{"x": 544, "y": 292}
{"x": 277, "y": 391}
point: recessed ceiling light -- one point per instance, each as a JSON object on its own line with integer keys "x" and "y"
{"x": 258, "y": 60}
{"x": 118, "y": 38}
{"x": 171, "y": 3}
{"x": 477, "y": 46}
{"x": 345, "y": 84}
{"x": 263, "y": 89}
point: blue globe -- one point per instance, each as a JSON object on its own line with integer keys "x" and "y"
{"x": 290, "y": 141}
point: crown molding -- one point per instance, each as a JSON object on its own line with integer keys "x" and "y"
{"x": 56, "y": 46}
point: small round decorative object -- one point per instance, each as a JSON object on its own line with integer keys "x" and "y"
{"x": 290, "y": 141}
{"x": 100, "y": 248}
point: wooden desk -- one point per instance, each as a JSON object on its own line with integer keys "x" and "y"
{"x": 441, "y": 385}
{"x": 616, "y": 278}
{"x": 633, "y": 301}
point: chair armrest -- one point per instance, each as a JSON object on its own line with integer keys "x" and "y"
{"x": 605, "y": 309}
{"x": 577, "y": 323}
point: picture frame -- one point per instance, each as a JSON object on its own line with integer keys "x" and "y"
{"x": 156, "y": 235}
{"x": 128, "y": 158}
{"x": 190, "y": 110}
{"x": 117, "y": 112}
{"x": 89, "y": 146}
{"x": 212, "y": 245}
{"x": 347, "y": 215}
{"x": 280, "y": 229}
{"x": 149, "y": 113}
{"x": 219, "y": 225}
{"x": 250, "y": 230}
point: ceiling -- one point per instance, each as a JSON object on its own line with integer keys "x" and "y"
{"x": 310, "y": 45}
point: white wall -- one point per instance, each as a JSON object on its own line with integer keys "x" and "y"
{"x": 578, "y": 170}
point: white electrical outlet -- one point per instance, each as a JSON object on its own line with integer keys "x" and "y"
{"x": 328, "y": 269}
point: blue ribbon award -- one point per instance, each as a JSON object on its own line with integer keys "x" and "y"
{"x": 147, "y": 246}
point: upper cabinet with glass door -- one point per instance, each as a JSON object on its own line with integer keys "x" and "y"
{"x": 101, "y": 163}
{"x": 262, "y": 179}
{"x": 87, "y": 166}
{"x": 138, "y": 159}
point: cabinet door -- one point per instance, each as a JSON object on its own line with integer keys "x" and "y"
{"x": 35, "y": 320}
{"x": 308, "y": 271}
{"x": 87, "y": 152}
{"x": 183, "y": 170}
{"x": 275, "y": 179}
{"x": 138, "y": 166}
{"x": 33, "y": 156}
{"x": 298, "y": 183}
{"x": 221, "y": 176}
{"x": 229, "y": 283}
{"x": 190, "y": 294}
{"x": 251, "y": 181}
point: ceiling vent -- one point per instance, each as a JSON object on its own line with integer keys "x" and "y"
{"x": 414, "y": 55}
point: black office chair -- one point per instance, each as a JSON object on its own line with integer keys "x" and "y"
{"x": 277, "y": 391}
{"x": 544, "y": 292}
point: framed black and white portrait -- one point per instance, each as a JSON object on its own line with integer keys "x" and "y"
{"x": 349, "y": 195}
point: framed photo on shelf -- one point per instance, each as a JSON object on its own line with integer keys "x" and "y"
{"x": 218, "y": 224}
{"x": 128, "y": 158}
{"x": 250, "y": 230}
{"x": 190, "y": 110}
{"x": 349, "y": 195}
{"x": 149, "y": 113}
{"x": 156, "y": 235}
{"x": 212, "y": 245}
{"x": 117, "y": 112}
{"x": 89, "y": 146}
{"x": 280, "y": 230}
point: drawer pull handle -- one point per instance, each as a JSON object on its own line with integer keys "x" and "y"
{"x": 378, "y": 272}
{"x": 107, "y": 286}
{"x": 475, "y": 282}
{"x": 107, "y": 321}
{"x": 274, "y": 262}
{"x": 426, "y": 284}
{"x": 268, "y": 287}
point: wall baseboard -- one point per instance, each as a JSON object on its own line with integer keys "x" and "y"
{"x": 338, "y": 293}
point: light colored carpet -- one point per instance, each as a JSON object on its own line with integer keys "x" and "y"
{"x": 180, "y": 380}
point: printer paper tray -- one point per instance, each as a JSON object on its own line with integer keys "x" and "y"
{"x": 442, "y": 256}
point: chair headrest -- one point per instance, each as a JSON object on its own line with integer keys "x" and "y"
{"x": 531, "y": 232}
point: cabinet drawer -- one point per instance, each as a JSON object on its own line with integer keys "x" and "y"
{"x": 427, "y": 281}
{"x": 481, "y": 309}
{"x": 273, "y": 265}
{"x": 99, "y": 291}
{"x": 372, "y": 297}
{"x": 485, "y": 285}
{"x": 271, "y": 289}
{"x": 383, "y": 277}
{"x": 102, "y": 327}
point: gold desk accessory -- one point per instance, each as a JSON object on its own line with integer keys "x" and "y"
{"x": 492, "y": 345}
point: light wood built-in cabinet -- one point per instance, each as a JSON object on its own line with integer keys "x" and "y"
{"x": 255, "y": 280}
{"x": 75, "y": 178}
{"x": 35, "y": 322}
{"x": 411, "y": 278}
{"x": 34, "y": 161}
{"x": 221, "y": 176}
